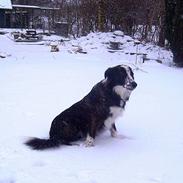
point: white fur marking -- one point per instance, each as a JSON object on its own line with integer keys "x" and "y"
{"x": 115, "y": 112}
{"x": 113, "y": 133}
{"x": 122, "y": 92}
{"x": 119, "y": 89}
{"x": 127, "y": 71}
{"x": 89, "y": 141}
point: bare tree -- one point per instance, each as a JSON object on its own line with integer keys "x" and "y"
{"x": 144, "y": 19}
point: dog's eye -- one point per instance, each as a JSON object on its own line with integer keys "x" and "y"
{"x": 123, "y": 72}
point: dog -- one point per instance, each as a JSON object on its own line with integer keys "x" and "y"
{"x": 96, "y": 111}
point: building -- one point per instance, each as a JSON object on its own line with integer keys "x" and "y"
{"x": 26, "y": 16}
{"x": 5, "y": 5}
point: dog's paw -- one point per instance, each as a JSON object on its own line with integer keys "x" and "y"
{"x": 114, "y": 134}
{"x": 89, "y": 142}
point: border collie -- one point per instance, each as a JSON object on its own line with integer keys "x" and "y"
{"x": 97, "y": 110}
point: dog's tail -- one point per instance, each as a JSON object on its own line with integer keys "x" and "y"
{"x": 41, "y": 144}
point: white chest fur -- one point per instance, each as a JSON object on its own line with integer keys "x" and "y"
{"x": 122, "y": 92}
{"x": 115, "y": 112}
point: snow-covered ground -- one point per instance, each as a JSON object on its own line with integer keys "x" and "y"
{"x": 36, "y": 85}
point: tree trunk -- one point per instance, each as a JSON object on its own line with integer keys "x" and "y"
{"x": 174, "y": 22}
{"x": 162, "y": 25}
{"x": 177, "y": 46}
{"x": 101, "y": 15}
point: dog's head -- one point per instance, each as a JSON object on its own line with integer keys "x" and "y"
{"x": 121, "y": 78}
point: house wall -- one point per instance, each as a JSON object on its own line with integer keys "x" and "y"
{"x": 2, "y": 18}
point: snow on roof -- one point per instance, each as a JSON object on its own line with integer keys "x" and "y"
{"x": 33, "y": 7}
{"x": 25, "y": 6}
{"x": 5, "y": 4}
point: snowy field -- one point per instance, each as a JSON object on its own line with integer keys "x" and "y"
{"x": 36, "y": 85}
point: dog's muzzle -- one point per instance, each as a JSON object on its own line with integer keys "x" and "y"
{"x": 131, "y": 85}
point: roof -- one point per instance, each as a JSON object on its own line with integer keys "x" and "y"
{"x": 5, "y": 4}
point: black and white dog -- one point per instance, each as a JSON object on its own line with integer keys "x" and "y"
{"x": 97, "y": 110}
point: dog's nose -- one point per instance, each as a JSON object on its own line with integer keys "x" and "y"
{"x": 134, "y": 84}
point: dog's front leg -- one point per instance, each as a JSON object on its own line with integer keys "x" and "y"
{"x": 113, "y": 130}
{"x": 89, "y": 142}
{"x": 115, "y": 134}
{"x": 90, "y": 136}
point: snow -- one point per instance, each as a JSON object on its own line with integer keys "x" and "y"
{"x": 37, "y": 84}
{"x": 5, "y": 4}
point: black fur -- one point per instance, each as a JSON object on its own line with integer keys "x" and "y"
{"x": 87, "y": 116}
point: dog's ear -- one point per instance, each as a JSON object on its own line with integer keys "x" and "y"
{"x": 108, "y": 73}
